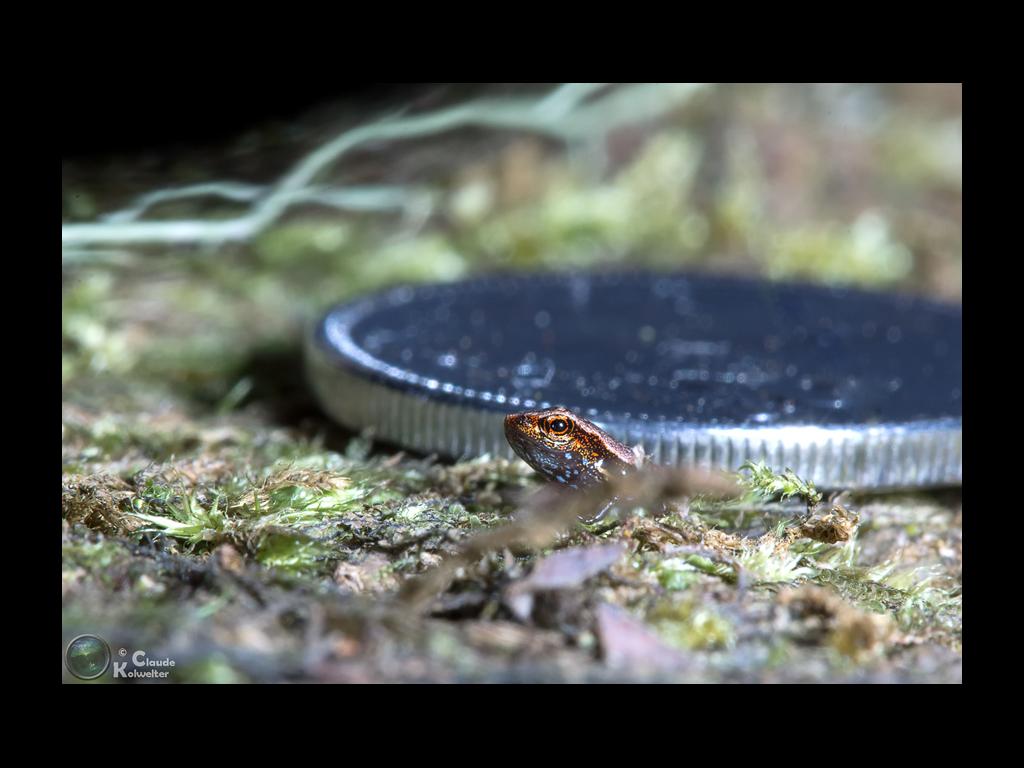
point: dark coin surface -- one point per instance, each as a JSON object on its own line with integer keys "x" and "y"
{"x": 852, "y": 388}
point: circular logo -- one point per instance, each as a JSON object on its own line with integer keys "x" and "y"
{"x": 87, "y": 657}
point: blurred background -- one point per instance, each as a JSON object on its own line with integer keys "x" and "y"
{"x": 200, "y": 237}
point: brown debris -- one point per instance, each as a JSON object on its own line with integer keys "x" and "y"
{"x": 476, "y": 479}
{"x": 508, "y": 638}
{"x": 545, "y": 516}
{"x": 571, "y": 567}
{"x": 228, "y": 559}
{"x": 858, "y": 634}
{"x": 198, "y": 471}
{"x": 564, "y": 569}
{"x": 366, "y": 575}
{"x": 550, "y": 512}
{"x": 838, "y": 524}
{"x": 626, "y": 642}
{"x": 827, "y": 618}
{"x": 99, "y": 502}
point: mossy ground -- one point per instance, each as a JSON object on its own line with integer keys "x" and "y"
{"x": 212, "y": 514}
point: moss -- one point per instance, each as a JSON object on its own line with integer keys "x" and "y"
{"x": 761, "y": 479}
{"x": 912, "y": 598}
{"x": 677, "y": 574}
{"x": 89, "y": 341}
{"x": 93, "y": 556}
{"x": 291, "y": 552}
{"x": 642, "y": 214}
{"x": 864, "y": 252}
{"x": 766, "y": 564}
{"x": 691, "y": 625}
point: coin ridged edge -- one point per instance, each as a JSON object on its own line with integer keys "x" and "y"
{"x": 868, "y": 456}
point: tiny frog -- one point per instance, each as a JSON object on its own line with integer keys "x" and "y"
{"x": 569, "y": 450}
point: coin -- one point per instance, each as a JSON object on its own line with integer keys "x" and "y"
{"x": 849, "y": 388}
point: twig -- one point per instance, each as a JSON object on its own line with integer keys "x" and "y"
{"x": 566, "y": 114}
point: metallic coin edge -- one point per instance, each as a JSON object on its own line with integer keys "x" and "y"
{"x": 868, "y": 456}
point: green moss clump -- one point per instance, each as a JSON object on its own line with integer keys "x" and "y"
{"x": 691, "y": 624}
{"x": 769, "y": 484}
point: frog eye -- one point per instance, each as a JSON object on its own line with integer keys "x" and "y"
{"x": 558, "y": 426}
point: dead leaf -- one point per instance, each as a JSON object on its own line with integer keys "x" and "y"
{"x": 628, "y": 642}
{"x": 565, "y": 569}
